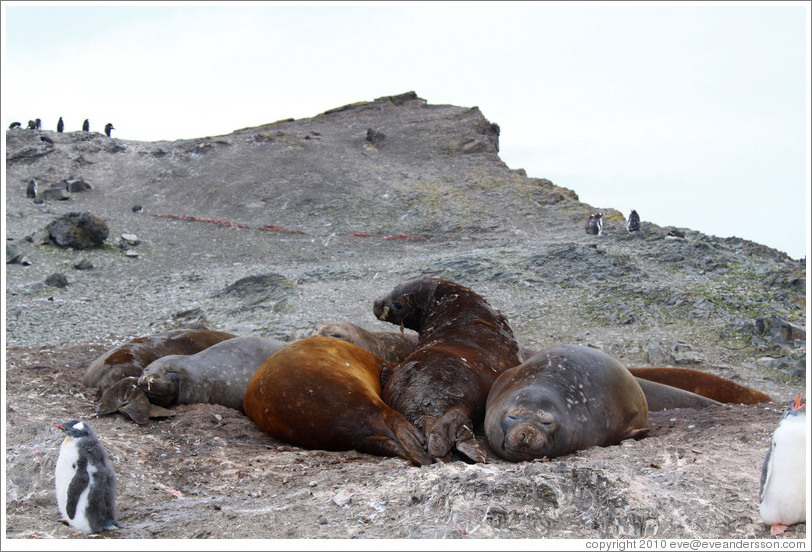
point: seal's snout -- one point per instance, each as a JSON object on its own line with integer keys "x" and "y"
{"x": 380, "y": 309}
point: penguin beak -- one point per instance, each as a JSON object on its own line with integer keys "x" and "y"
{"x": 60, "y": 426}
{"x": 798, "y": 404}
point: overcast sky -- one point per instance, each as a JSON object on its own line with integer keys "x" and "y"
{"x": 694, "y": 114}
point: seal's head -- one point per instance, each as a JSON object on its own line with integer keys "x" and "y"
{"x": 162, "y": 386}
{"x": 524, "y": 432}
{"x": 404, "y": 305}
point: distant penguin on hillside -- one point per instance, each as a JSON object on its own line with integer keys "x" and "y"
{"x": 38, "y": 122}
{"x": 595, "y": 224}
{"x": 32, "y": 125}
{"x": 85, "y": 480}
{"x": 107, "y": 128}
{"x": 60, "y": 126}
{"x": 782, "y": 496}
{"x": 86, "y": 126}
{"x": 14, "y": 125}
{"x": 633, "y": 225}
{"x": 32, "y": 189}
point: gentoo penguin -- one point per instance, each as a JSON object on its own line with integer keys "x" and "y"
{"x": 107, "y": 128}
{"x": 38, "y": 122}
{"x": 32, "y": 125}
{"x": 86, "y": 126}
{"x": 85, "y": 480}
{"x": 782, "y": 497}
{"x": 14, "y": 125}
{"x": 60, "y": 126}
{"x": 633, "y": 224}
{"x": 595, "y": 225}
{"x": 32, "y": 189}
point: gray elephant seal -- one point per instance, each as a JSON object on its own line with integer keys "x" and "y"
{"x": 130, "y": 359}
{"x": 563, "y": 399}
{"x": 391, "y": 346}
{"x": 216, "y": 375}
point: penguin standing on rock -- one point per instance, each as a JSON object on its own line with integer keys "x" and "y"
{"x": 85, "y": 480}
{"x": 633, "y": 224}
{"x": 107, "y": 128}
{"x": 782, "y": 497}
{"x": 86, "y": 126}
{"x": 595, "y": 224}
{"x": 60, "y": 126}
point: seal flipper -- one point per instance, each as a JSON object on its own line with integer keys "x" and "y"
{"x": 452, "y": 429}
{"x": 407, "y": 441}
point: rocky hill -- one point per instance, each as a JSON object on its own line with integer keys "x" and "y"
{"x": 276, "y": 229}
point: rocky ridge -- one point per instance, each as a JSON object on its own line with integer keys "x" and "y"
{"x": 276, "y": 229}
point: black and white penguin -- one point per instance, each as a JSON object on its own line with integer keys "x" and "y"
{"x": 85, "y": 480}
{"x": 14, "y": 125}
{"x": 86, "y": 126}
{"x": 32, "y": 189}
{"x": 60, "y": 126}
{"x": 32, "y": 125}
{"x": 782, "y": 497}
{"x": 633, "y": 224}
{"x": 107, "y": 128}
{"x": 595, "y": 224}
{"x": 38, "y": 122}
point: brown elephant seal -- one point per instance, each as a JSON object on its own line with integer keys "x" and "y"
{"x": 563, "y": 399}
{"x": 130, "y": 359}
{"x": 463, "y": 346}
{"x": 324, "y": 393}
{"x": 704, "y": 384}
{"x": 216, "y": 375}
{"x": 391, "y": 346}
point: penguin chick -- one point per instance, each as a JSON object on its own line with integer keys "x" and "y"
{"x": 782, "y": 497}
{"x": 85, "y": 480}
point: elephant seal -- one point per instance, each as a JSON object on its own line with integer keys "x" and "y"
{"x": 563, "y": 399}
{"x": 704, "y": 384}
{"x": 463, "y": 345}
{"x": 665, "y": 397}
{"x": 216, "y": 375}
{"x": 325, "y": 393}
{"x": 131, "y": 358}
{"x": 391, "y": 346}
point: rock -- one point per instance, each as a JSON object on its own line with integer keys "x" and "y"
{"x": 374, "y": 137}
{"x": 131, "y": 253}
{"x": 78, "y": 230}
{"x": 57, "y": 194}
{"x": 83, "y": 264}
{"x": 78, "y": 185}
{"x": 779, "y": 330}
{"x": 13, "y": 253}
{"x": 57, "y": 279}
{"x": 137, "y": 208}
{"x": 128, "y": 241}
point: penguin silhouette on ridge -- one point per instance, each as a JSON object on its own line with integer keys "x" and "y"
{"x": 60, "y": 126}
{"x": 85, "y": 480}
{"x": 86, "y": 126}
{"x": 107, "y": 128}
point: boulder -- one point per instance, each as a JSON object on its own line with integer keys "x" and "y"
{"x": 78, "y": 230}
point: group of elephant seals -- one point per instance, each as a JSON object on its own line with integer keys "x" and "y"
{"x": 391, "y": 346}
{"x": 216, "y": 375}
{"x": 130, "y": 359}
{"x": 563, "y": 399}
{"x": 463, "y": 346}
{"x": 325, "y": 393}
{"x": 704, "y": 384}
